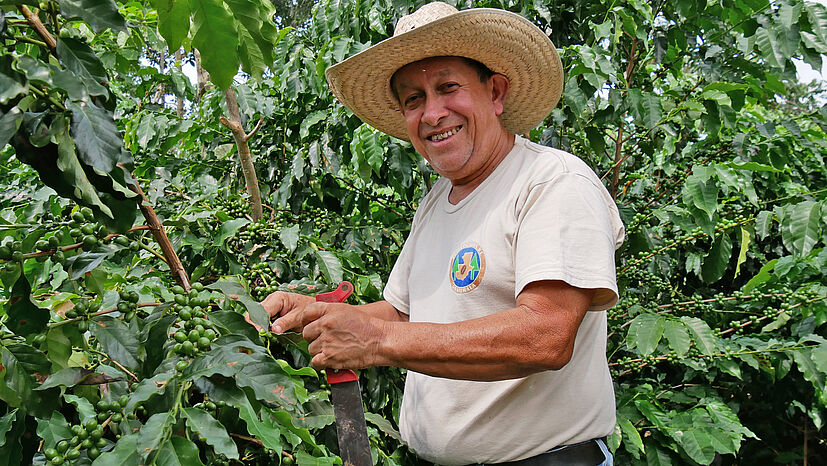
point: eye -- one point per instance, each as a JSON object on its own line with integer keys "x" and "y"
{"x": 449, "y": 87}
{"x": 412, "y": 100}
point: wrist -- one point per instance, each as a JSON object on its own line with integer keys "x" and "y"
{"x": 383, "y": 352}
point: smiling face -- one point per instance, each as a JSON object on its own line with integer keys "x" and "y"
{"x": 453, "y": 118}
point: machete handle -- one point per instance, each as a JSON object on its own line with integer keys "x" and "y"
{"x": 339, "y": 295}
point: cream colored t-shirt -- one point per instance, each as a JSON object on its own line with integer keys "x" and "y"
{"x": 541, "y": 215}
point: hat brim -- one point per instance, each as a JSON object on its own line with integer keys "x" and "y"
{"x": 505, "y": 42}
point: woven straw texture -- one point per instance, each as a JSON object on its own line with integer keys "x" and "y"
{"x": 505, "y": 42}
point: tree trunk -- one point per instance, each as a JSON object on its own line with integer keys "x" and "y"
{"x": 203, "y": 77}
{"x": 179, "y": 104}
{"x": 243, "y": 146}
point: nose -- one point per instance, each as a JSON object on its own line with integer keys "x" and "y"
{"x": 434, "y": 110}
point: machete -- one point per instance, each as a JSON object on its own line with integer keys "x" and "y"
{"x": 347, "y": 400}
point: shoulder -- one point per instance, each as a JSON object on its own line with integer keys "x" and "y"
{"x": 542, "y": 164}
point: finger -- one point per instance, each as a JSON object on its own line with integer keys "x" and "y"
{"x": 315, "y": 347}
{"x": 287, "y": 322}
{"x": 275, "y": 303}
{"x": 319, "y": 361}
{"x": 312, "y": 331}
{"x": 250, "y": 321}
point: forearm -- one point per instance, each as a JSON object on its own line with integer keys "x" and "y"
{"x": 510, "y": 344}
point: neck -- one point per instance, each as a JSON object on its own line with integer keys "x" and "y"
{"x": 461, "y": 188}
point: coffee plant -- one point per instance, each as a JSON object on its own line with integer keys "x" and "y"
{"x": 130, "y": 247}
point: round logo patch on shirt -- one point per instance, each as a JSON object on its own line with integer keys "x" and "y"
{"x": 467, "y": 268}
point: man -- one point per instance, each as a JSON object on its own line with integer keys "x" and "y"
{"x": 495, "y": 303}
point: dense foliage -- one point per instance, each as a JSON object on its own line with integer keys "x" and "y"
{"x": 690, "y": 112}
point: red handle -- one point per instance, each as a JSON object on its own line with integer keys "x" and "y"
{"x": 339, "y": 295}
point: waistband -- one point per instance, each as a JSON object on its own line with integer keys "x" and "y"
{"x": 586, "y": 453}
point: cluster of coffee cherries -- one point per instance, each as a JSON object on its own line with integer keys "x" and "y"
{"x": 86, "y": 437}
{"x": 83, "y": 309}
{"x": 194, "y": 332}
{"x": 128, "y": 306}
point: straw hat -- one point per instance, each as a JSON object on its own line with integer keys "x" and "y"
{"x": 505, "y": 42}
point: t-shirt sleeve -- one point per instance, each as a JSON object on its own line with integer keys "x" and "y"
{"x": 396, "y": 289}
{"x": 568, "y": 229}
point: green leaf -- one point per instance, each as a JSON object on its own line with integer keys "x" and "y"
{"x": 86, "y": 411}
{"x": 250, "y": 55}
{"x": 86, "y": 262}
{"x": 312, "y": 119}
{"x": 804, "y": 225}
{"x": 256, "y": 371}
{"x": 75, "y": 176}
{"x": 53, "y": 430}
{"x": 153, "y": 432}
{"x": 653, "y": 414}
{"x": 705, "y": 340}
{"x": 117, "y": 340}
{"x": 157, "y": 333}
{"x": 79, "y": 58}
{"x": 742, "y": 254}
{"x": 752, "y": 166}
{"x": 58, "y": 347}
{"x": 285, "y": 420}
{"x": 178, "y": 451}
{"x": 369, "y": 148}
{"x": 818, "y": 19}
{"x": 6, "y": 424}
{"x": 289, "y": 237}
{"x": 679, "y": 339}
{"x": 24, "y": 317}
{"x": 256, "y": 50}
{"x": 265, "y": 431}
{"x": 100, "y": 14}
{"x": 146, "y": 389}
{"x": 330, "y": 266}
{"x": 97, "y": 138}
{"x": 9, "y": 122}
{"x": 211, "y": 431}
{"x": 770, "y": 48}
{"x": 66, "y": 377}
{"x": 696, "y": 443}
{"x": 645, "y": 332}
{"x": 305, "y": 459}
{"x": 173, "y": 21}
{"x": 217, "y": 40}
{"x": 12, "y": 84}
{"x": 704, "y": 193}
{"x": 717, "y": 261}
{"x": 596, "y": 140}
{"x": 763, "y": 276}
{"x": 720, "y": 97}
{"x": 235, "y": 290}
{"x": 631, "y": 437}
{"x": 655, "y": 456}
{"x": 763, "y": 223}
{"x": 384, "y": 425}
{"x": 229, "y": 228}
{"x": 125, "y": 452}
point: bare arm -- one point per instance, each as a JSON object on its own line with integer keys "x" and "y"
{"x": 536, "y": 335}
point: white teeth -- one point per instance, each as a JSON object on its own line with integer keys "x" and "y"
{"x": 441, "y": 136}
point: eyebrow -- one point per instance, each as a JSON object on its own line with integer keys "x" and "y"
{"x": 396, "y": 83}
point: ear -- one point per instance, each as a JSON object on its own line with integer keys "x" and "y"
{"x": 499, "y": 91}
